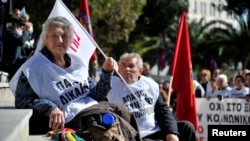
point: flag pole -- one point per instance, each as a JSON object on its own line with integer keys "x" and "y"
{"x": 169, "y": 90}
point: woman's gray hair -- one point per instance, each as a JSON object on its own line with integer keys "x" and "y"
{"x": 223, "y": 77}
{"x": 133, "y": 55}
{"x": 58, "y": 21}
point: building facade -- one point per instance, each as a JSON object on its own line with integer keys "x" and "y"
{"x": 210, "y": 10}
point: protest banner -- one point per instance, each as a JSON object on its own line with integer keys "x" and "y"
{"x": 228, "y": 112}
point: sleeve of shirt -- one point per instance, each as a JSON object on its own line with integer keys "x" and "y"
{"x": 100, "y": 90}
{"x": 26, "y": 98}
{"x": 165, "y": 118}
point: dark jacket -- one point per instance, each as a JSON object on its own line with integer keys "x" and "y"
{"x": 12, "y": 46}
{"x": 165, "y": 118}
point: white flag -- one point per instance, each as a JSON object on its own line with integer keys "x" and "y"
{"x": 83, "y": 45}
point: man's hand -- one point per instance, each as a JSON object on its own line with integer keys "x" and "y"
{"x": 56, "y": 119}
{"x": 172, "y": 137}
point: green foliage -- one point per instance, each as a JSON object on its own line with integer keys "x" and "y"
{"x": 112, "y": 22}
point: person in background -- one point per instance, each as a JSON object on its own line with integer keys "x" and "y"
{"x": 29, "y": 33}
{"x": 214, "y": 89}
{"x": 153, "y": 116}
{"x": 231, "y": 83}
{"x": 14, "y": 53}
{"x": 223, "y": 87}
{"x": 146, "y": 69}
{"x": 215, "y": 73}
{"x": 163, "y": 92}
{"x": 247, "y": 84}
{"x": 205, "y": 76}
{"x": 199, "y": 90}
{"x": 57, "y": 84}
{"x": 247, "y": 77}
{"x": 16, "y": 13}
{"x": 240, "y": 90}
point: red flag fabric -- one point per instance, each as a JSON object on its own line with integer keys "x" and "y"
{"x": 182, "y": 76}
{"x": 84, "y": 18}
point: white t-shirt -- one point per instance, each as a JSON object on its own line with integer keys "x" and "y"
{"x": 224, "y": 92}
{"x": 68, "y": 88}
{"x": 146, "y": 91}
{"x": 241, "y": 93}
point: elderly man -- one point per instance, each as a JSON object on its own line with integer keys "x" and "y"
{"x": 141, "y": 96}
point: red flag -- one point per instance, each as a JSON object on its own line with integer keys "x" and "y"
{"x": 182, "y": 76}
{"x": 84, "y": 18}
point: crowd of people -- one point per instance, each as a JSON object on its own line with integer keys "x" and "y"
{"x": 18, "y": 40}
{"x": 214, "y": 84}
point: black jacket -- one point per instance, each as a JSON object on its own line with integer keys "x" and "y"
{"x": 165, "y": 118}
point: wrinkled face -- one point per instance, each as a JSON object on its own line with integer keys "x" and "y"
{"x": 221, "y": 83}
{"x": 57, "y": 41}
{"x": 129, "y": 70}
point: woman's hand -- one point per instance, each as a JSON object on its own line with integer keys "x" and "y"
{"x": 56, "y": 119}
{"x": 110, "y": 65}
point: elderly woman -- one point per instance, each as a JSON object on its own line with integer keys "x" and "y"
{"x": 57, "y": 84}
{"x": 223, "y": 88}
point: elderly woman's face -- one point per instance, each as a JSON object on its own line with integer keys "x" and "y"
{"x": 57, "y": 41}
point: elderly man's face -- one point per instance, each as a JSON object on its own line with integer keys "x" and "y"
{"x": 129, "y": 70}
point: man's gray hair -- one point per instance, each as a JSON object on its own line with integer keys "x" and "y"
{"x": 133, "y": 55}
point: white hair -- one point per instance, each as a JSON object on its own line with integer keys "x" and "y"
{"x": 222, "y": 77}
{"x": 58, "y": 22}
{"x": 133, "y": 55}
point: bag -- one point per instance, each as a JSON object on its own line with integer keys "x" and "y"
{"x": 113, "y": 133}
{"x": 103, "y": 129}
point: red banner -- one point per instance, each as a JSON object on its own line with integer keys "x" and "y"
{"x": 84, "y": 18}
{"x": 182, "y": 76}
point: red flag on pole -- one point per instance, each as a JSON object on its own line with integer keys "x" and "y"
{"x": 84, "y": 18}
{"x": 182, "y": 76}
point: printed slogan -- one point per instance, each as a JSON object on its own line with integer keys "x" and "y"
{"x": 225, "y": 112}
